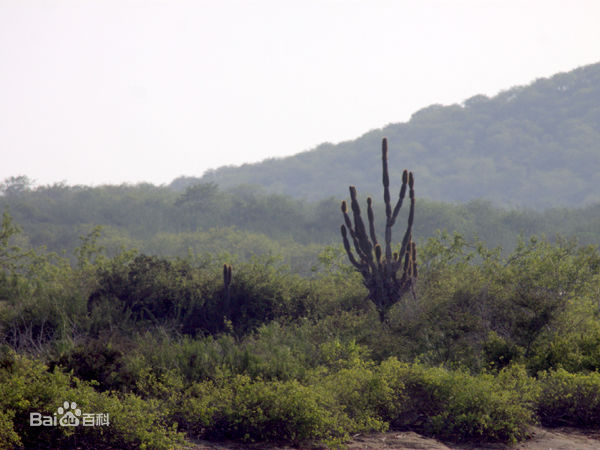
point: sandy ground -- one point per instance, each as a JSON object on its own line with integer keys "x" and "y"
{"x": 541, "y": 439}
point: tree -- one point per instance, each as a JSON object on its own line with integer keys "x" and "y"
{"x": 16, "y": 185}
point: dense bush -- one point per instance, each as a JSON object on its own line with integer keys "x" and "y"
{"x": 27, "y": 386}
{"x": 574, "y": 352}
{"x": 260, "y": 410}
{"x": 148, "y": 289}
{"x": 364, "y": 398}
{"x": 100, "y": 362}
{"x": 569, "y": 399}
{"x": 152, "y": 290}
{"x": 370, "y": 396}
{"x": 454, "y": 405}
{"x": 479, "y": 309}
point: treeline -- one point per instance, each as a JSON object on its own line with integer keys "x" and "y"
{"x": 490, "y": 345}
{"x": 535, "y": 146}
{"x": 245, "y": 220}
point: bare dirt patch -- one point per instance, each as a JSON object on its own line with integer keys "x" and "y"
{"x": 541, "y": 439}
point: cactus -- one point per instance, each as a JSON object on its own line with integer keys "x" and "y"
{"x": 378, "y": 267}
{"x": 226, "y": 281}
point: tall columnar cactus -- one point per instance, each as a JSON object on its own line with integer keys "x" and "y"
{"x": 380, "y": 269}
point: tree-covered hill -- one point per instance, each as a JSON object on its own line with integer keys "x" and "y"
{"x": 536, "y": 146}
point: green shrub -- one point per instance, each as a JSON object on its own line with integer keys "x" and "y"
{"x": 8, "y": 437}
{"x": 498, "y": 353}
{"x": 260, "y": 410}
{"x": 363, "y": 398}
{"x": 478, "y": 309}
{"x": 134, "y": 422}
{"x": 26, "y": 386}
{"x": 148, "y": 289}
{"x": 98, "y": 361}
{"x": 575, "y": 351}
{"x": 260, "y": 292}
{"x": 142, "y": 290}
{"x": 569, "y": 399}
{"x": 370, "y": 396}
{"x": 455, "y": 405}
{"x": 273, "y": 351}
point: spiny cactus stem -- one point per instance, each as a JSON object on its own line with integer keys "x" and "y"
{"x": 359, "y": 226}
{"x": 227, "y": 276}
{"x": 371, "y": 217}
{"x": 349, "y": 250}
{"x": 411, "y": 216}
{"x": 386, "y": 179}
{"x": 401, "y": 196}
{"x": 348, "y": 222}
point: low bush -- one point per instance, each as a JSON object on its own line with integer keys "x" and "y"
{"x": 26, "y": 386}
{"x": 457, "y": 406}
{"x": 363, "y": 397}
{"x": 573, "y": 350}
{"x": 258, "y": 410}
{"x": 569, "y": 399}
{"x": 370, "y": 396}
{"x": 97, "y": 361}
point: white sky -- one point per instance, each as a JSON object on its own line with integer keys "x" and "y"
{"x": 114, "y": 91}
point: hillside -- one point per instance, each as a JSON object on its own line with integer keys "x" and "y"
{"x": 536, "y": 146}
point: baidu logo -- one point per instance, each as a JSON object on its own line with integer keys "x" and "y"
{"x": 68, "y": 415}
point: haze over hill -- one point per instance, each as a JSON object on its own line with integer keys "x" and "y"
{"x": 535, "y": 146}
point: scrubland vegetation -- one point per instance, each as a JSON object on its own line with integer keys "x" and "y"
{"x": 493, "y": 342}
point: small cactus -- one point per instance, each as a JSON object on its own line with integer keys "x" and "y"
{"x": 379, "y": 270}
{"x": 226, "y": 280}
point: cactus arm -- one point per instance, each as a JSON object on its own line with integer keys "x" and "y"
{"x": 360, "y": 231}
{"x": 386, "y": 179}
{"x": 371, "y": 217}
{"x": 411, "y": 215}
{"x": 401, "y": 196}
{"x": 359, "y": 252}
{"x": 351, "y": 257}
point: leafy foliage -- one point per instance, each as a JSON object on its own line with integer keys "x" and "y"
{"x": 569, "y": 399}
{"x": 26, "y": 386}
{"x": 457, "y": 406}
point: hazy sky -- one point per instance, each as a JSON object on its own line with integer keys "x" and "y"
{"x": 107, "y": 91}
